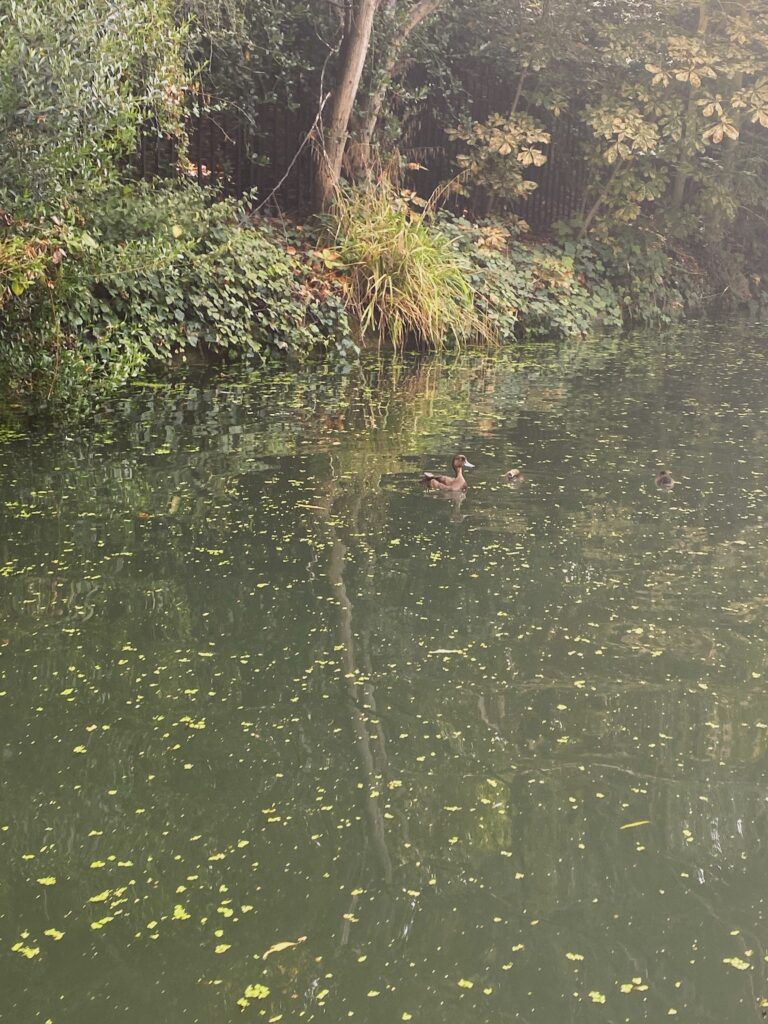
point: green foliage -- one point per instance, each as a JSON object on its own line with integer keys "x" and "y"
{"x": 405, "y": 277}
{"x": 498, "y": 151}
{"x": 533, "y": 291}
{"x": 668, "y": 102}
{"x": 155, "y": 272}
{"x": 77, "y": 83}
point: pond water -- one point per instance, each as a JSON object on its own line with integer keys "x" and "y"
{"x": 285, "y": 738}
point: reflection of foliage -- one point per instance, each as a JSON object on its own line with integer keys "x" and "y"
{"x": 256, "y": 686}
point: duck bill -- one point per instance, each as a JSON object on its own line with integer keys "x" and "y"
{"x": 468, "y": 465}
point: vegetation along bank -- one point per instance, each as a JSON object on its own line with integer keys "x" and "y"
{"x": 425, "y": 171}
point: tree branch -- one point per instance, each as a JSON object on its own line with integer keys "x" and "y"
{"x": 419, "y": 12}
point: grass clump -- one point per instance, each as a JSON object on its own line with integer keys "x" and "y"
{"x": 405, "y": 278}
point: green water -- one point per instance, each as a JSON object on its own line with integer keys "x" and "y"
{"x": 485, "y": 760}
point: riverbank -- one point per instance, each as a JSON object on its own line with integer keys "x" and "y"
{"x": 153, "y": 273}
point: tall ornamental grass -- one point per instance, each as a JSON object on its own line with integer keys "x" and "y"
{"x": 405, "y": 278}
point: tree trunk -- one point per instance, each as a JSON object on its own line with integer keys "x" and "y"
{"x": 681, "y": 176}
{"x": 333, "y": 143}
{"x": 361, "y": 160}
{"x": 595, "y": 208}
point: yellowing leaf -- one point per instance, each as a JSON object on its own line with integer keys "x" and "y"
{"x": 734, "y": 961}
{"x": 26, "y": 951}
{"x": 49, "y": 880}
{"x": 256, "y": 992}
{"x": 280, "y": 946}
{"x": 463, "y": 983}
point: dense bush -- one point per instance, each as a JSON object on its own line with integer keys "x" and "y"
{"x": 653, "y": 282}
{"x": 152, "y": 272}
{"x": 531, "y": 290}
{"x": 78, "y": 82}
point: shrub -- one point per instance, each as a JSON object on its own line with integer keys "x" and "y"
{"x": 24, "y": 262}
{"x": 653, "y": 282}
{"x": 531, "y": 290}
{"x": 405, "y": 278}
{"x": 78, "y": 81}
{"x": 155, "y": 271}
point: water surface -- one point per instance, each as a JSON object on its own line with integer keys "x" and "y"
{"x": 285, "y": 738}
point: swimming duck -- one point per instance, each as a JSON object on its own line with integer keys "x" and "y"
{"x": 514, "y": 476}
{"x": 436, "y": 482}
{"x": 664, "y": 479}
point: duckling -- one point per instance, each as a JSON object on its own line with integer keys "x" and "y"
{"x": 514, "y": 476}
{"x": 664, "y": 479}
{"x": 437, "y": 482}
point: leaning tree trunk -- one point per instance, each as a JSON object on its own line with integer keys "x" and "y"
{"x": 334, "y": 139}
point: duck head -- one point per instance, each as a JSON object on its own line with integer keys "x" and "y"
{"x": 461, "y": 462}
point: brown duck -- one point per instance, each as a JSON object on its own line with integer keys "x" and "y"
{"x": 664, "y": 479}
{"x": 514, "y": 476}
{"x": 436, "y": 482}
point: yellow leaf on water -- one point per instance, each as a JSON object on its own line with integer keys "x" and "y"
{"x": 635, "y": 824}
{"x": 26, "y": 951}
{"x": 597, "y": 997}
{"x": 463, "y": 983}
{"x": 734, "y": 961}
{"x": 256, "y": 992}
{"x": 280, "y": 946}
{"x": 49, "y": 880}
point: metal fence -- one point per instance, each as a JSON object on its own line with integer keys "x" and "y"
{"x": 230, "y": 155}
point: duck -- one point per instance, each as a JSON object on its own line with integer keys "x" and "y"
{"x": 514, "y": 476}
{"x": 664, "y": 479}
{"x": 437, "y": 482}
